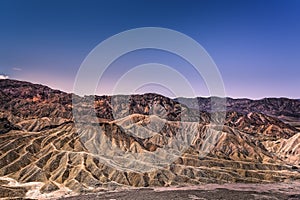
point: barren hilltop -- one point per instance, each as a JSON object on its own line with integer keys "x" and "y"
{"x": 44, "y": 150}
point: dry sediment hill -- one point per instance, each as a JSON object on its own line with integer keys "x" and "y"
{"x": 139, "y": 140}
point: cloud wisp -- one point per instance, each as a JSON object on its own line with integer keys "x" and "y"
{"x": 17, "y": 69}
{"x": 2, "y": 76}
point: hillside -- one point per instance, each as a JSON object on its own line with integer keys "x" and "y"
{"x": 139, "y": 140}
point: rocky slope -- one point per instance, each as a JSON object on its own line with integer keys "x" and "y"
{"x": 139, "y": 140}
{"x": 270, "y": 106}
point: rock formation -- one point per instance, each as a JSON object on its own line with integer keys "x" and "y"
{"x": 140, "y": 140}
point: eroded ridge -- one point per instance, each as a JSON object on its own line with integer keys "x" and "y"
{"x": 41, "y": 144}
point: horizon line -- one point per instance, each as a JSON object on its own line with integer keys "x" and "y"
{"x": 157, "y": 93}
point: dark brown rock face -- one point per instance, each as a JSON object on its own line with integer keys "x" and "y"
{"x": 5, "y": 125}
{"x": 40, "y": 141}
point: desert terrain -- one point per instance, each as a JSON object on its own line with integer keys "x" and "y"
{"x": 55, "y": 144}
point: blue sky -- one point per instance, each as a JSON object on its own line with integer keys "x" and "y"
{"x": 255, "y": 44}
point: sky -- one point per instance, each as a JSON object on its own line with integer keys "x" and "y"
{"x": 255, "y": 44}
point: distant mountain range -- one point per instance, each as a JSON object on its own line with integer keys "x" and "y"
{"x": 40, "y": 141}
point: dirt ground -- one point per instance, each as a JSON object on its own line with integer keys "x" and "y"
{"x": 207, "y": 192}
{"x": 224, "y": 194}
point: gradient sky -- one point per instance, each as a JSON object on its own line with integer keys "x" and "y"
{"x": 255, "y": 44}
